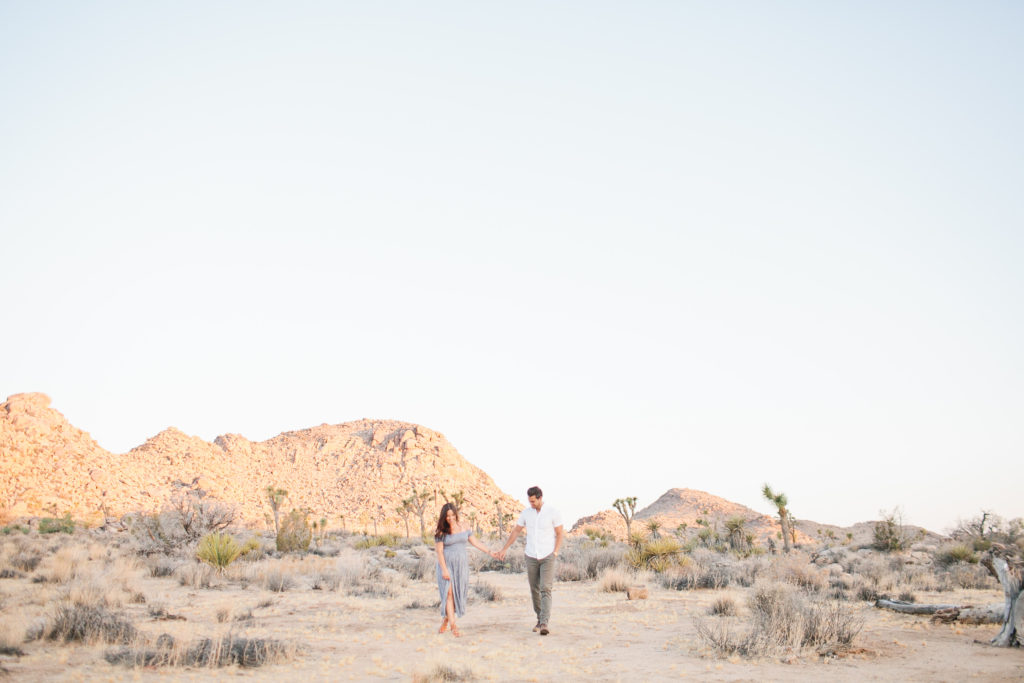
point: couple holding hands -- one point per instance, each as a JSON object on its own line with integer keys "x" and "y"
{"x": 544, "y": 538}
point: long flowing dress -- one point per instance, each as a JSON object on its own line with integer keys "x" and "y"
{"x": 455, "y": 556}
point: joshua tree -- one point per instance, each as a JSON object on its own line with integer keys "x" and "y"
{"x": 779, "y": 501}
{"x": 737, "y": 539}
{"x": 418, "y": 502}
{"x": 404, "y": 510}
{"x": 653, "y": 526}
{"x": 472, "y": 521}
{"x": 500, "y": 517}
{"x": 626, "y": 508}
{"x": 276, "y": 496}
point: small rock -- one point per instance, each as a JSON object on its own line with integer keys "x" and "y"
{"x": 636, "y": 593}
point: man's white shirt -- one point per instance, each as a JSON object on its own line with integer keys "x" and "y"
{"x": 540, "y": 530}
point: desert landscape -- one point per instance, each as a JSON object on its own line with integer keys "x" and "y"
{"x": 184, "y": 559}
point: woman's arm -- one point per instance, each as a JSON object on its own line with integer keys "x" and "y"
{"x": 439, "y": 547}
{"x": 480, "y": 546}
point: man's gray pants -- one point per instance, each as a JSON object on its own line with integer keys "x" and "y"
{"x": 542, "y": 577}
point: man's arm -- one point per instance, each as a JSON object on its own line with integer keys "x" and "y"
{"x": 559, "y": 538}
{"x": 516, "y": 530}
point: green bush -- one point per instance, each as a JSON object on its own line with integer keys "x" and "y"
{"x": 389, "y": 540}
{"x": 295, "y": 533}
{"x": 957, "y": 553}
{"x": 657, "y": 555}
{"x": 64, "y": 525}
{"x": 218, "y": 550}
{"x": 252, "y": 550}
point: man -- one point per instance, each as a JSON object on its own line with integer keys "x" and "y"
{"x": 544, "y": 538}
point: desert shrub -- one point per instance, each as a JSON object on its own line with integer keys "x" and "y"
{"x": 724, "y": 607}
{"x": 782, "y": 618}
{"x": 278, "y": 580}
{"x": 614, "y": 580}
{"x": 597, "y": 559}
{"x": 295, "y": 533}
{"x": 446, "y": 672}
{"x": 657, "y": 555}
{"x": 800, "y": 573}
{"x": 750, "y": 569}
{"x": 218, "y": 550}
{"x": 351, "y": 568}
{"x": 487, "y": 591}
{"x": 93, "y": 591}
{"x": 196, "y": 514}
{"x": 389, "y": 540}
{"x": 957, "y": 553}
{"x": 59, "y": 525}
{"x": 67, "y": 563}
{"x": 229, "y": 650}
{"x": 7, "y": 530}
{"x": 252, "y": 550}
{"x": 163, "y": 566}
{"x": 968, "y": 576}
{"x": 158, "y": 612}
{"x": 326, "y": 580}
{"x": 377, "y": 582}
{"x": 514, "y": 562}
{"x": 868, "y": 593}
{"x": 907, "y": 596}
{"x": 195, "y": 574}
{"x": 25, "y": 561}
{"x": 8, "y": 573}
{"x": 598, "y": 536}
{"x": 87, "y": 624}
{"x": 154, "y": 534}
{"x": 703, "y": 569}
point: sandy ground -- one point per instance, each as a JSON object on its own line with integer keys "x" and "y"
{"x": 595, "y": 636}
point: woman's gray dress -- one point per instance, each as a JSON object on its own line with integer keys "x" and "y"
{"x": 455, "y": 556}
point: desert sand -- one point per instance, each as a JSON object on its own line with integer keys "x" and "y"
{"x": 376, "y": 623}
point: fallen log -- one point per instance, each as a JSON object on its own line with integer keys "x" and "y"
{"x": 989, "y": 614}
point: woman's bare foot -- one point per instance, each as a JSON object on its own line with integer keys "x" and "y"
{"x": 456, "y": 632}
{"x": 444, "y": 625}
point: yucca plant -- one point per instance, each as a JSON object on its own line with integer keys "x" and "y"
{"x": 218, "y": 550}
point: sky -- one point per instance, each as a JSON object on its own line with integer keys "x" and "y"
{"x": 605, "y": 248}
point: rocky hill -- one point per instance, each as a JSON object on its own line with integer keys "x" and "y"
{"x": 678, "y": 507}
{"x": 359, "y": 470}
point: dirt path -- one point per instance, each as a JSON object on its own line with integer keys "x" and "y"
{"x": 595, "y": 636}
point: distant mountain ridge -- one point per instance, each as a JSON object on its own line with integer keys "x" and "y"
{"x": 360, "y": 470}
{"x": 677, "y": 506}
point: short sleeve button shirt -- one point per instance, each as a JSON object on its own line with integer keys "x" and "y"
{"x": 540, "y": 530}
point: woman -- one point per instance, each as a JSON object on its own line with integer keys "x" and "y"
{"x": 452, "y": 565}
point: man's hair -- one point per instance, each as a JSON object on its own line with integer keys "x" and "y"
{"x": 535, "y": 492}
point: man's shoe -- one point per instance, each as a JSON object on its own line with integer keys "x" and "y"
{"x": 544, "y": 629}
{"x": 537, "y": 627}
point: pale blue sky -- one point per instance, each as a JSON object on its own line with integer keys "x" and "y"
{"x": 607, "y": 248}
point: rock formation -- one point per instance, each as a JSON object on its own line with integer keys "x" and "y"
{"x": 686, "y": 506}
{"x": 360, "y": 470}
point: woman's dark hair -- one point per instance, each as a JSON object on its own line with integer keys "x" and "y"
{"x": 443, "y": 528}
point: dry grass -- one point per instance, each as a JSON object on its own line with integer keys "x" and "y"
{"x": 446, "y": 672}
{"x": 724, "y": 606}
{"x": 615, "y": 580}
{"x": 88, "y": 624}
{"x": 487, "y": 592}
{"x": 196, "y": 575}
{"x": 67, "y": 564}
{"x": 782, "y": 619}
{"x": 226, "y": 650}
